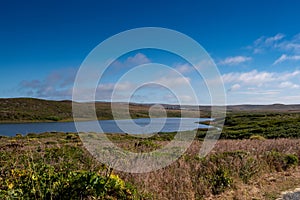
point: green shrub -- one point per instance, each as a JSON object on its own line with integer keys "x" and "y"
{"x": 53, "y": 118}
{"x": 257, "y": 137}
{"x": 291, "y": 160}
{"x": 43, "y": 182}
{"x": 220, "y": 180}
{"x": 249, "y": 168}
{"x": 280, "y": 161}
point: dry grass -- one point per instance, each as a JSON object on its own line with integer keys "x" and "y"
{"x": 187, "y": 178}
{"x": 251, "y": 172}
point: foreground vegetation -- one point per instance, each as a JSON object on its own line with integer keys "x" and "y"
{"x": 57, "y": 166}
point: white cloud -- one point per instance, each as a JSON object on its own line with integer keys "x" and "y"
{"x": 173, "y": 81}
{"x": 234, "y": 87}
{"x": 249, "y": 78}
{"x": 288, "y": 84}
{"x": 257, "y": 91}
{"x": 105, "y": 91}
{"x": 256, "y": 78}
{"x": 186, "y": 99}
{"x": 285, "y": 57}
{"x": 184, "y": 68}
{"x": 124, "y": 86}
{"x": 292, "y": 45}
{"x": 262, "y": 87}
{"x": 271, "y": 40}
{"x": 279, "y": 42}
{"x": 56, "y": 85}
{"x": 235, "y": 60}
{"x": 105, "y": 87}
{"x": 137, "y": 59}
{"x": 286, "y": 76}
{"x": 263, "y": 43}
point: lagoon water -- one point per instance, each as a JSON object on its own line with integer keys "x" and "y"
{"x": 142, "y": 125}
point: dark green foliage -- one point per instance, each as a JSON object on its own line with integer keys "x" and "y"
{"x": 220, "y": 180}
{"x": 269, "y": 125}
{"x": 280, "y": 161}
{"x": 29, "y": 109}
{"x": 291, "y": 160}
{"x": 42, "y": 181}
{"x": 44, "y": 167}
{"x": 249, "y": 168}
{"x": 53, "y": 118}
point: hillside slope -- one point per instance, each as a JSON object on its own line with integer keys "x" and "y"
{"x": 32, "y": 110}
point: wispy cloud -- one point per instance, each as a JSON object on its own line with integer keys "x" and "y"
{"x": 235, "y": 60}
{"x": 288, "y": 84}
{"x": 183, "y": 68}
{"x": 285, "y": 57}
{"x": 257, "y": 78}
{"x": 234, "y": 87}
{"x": 249, "y": 78}
{"x": 263, "y": 43}
{"x": 258, "y": 87}
{"x": 58, "y": 84}
{"x": 259, "y": 92}
{"x": 290, "y": 45}
{"x": 271, "y": 40}
{"x": 137, "y": 59}
{"x": 105, "y": 91}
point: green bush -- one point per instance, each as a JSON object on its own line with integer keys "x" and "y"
{"x": 53, "y": 118}
{"x": 220, "y": 180}
{"x": 43, "y": 182}
{"x": 291, "y": 160}
{"x": 280, "y": 161}
{"x": 249, "y": 168}
{"x": 257, "y": 137}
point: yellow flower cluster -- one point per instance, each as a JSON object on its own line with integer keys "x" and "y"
{"x": 18, "y": 172}
{"x": 119, "y": 182}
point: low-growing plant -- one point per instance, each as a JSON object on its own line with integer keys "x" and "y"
{"x": 257, "y": 137}
{"x": 53, "y": 118}
{"x": 280, "y": 161}
{"x": 220, "y": 180}
{"x": 291, "y": 160}
{"x": 249, "y": 168}
{"x": 44, "y": 182}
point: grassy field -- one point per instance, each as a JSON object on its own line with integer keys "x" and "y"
{"x": 57, "y": 166}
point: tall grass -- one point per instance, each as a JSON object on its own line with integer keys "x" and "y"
{"x": 57, "y": 166}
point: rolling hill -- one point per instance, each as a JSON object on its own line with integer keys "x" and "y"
{"x": 34, "y": 110}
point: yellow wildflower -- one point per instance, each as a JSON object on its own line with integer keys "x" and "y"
{"x": 10, "y": 186}
{"x": 119, "y": 182}
{"x": 33, "y": 177}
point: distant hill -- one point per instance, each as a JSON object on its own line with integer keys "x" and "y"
{"x": 272, "y": 107}
{"x": 35, "y": 110}
{"x": 31, "y": 109}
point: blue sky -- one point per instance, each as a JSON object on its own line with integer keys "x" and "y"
{"x": 255, "y": 44}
